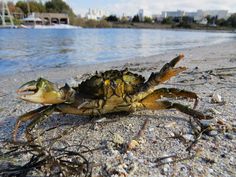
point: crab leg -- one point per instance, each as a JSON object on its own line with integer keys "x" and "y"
{"x": 166, "y": 72}
{"x": 171, "y": 93}
{"x": 37, "y": 115}
{"x": 157, "y": 105}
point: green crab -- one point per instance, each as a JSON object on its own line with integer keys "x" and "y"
{"x": 112, "y": 91}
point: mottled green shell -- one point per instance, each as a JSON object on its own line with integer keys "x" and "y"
{"x": 111, "y": 82}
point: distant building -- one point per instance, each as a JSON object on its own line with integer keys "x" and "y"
{"x": 190, "y": 14}
{"x": 94, "y": 14}
{"x": 220, "y": 14}
{"x": 46, "y": 19}
{"x": 198, "y": 16}
{"x": 203, "y": 21}
{"x": 178, "y": 13}
{"x": 142, "y": 13}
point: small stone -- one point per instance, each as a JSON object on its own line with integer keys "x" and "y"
{"x": 223, "y": 155}
{"x": 205, "y": 137}
{"x": 212, "y": 133}
{"x": 117, "y": 139}
{"x": 210, "y": 170}
{"x": 130, "y": 155}
{"x": 166, "y": 158}
{"x": 95, "y": 127}
{"x": 229, "y": 136}
{"x": 189, "y": 137}
{"x": 165, "y": 169}
{"x": 172, "y": 134}
{"x": 133, "y": 144}
{"x": 207, "y": 123}
{"x": 183, "y": 168}
{"x": 213, "y": 111}
{"x": 170, "y": 125}
{"x": 216, "y": 98}
{"x": 103, "y": 119}
{"x": 130, "y": 125}
{"x": 151, "y": 129}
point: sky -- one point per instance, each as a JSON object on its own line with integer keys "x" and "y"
{"x": 130, "y": 7}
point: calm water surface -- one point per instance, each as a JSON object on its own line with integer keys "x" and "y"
{"x": 25, "y": 50}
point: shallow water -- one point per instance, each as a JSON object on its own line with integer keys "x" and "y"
{"x": 25, "y": 50}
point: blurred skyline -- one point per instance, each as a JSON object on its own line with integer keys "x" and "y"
{"x": 131, "y": 7}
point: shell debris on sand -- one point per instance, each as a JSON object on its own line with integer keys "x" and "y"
{"x": 216, "y": 98}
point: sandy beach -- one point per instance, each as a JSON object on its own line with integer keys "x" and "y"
{"x": 211, "y": 70}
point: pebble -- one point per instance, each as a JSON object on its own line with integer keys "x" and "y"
{"x": 117, "y": 139}
{"x": 130, "y": 155}
{"x": 231, "y": 159}
{"x": 183, "y": 168}
{"x": 229, "y": 136}
{"x": 95, "y": 127}
{"x": 216, "y": 98}
{"x": 223, "y": 155}
{"x": 210, "y": 170}
{"x": 189, "y": 137}
{"x": 133, "y": 144}
{"x": 170, "y": 125}
{"x": 165, "y": 169}
{"x": 212, "y": 133}
{"x": 151, "y": 129}
{"x": 103, "y": 119}
{"x": 167, "y": 159}
{"x": 206, "y": 123}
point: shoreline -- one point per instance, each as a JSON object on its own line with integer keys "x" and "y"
{"x": 205, "y": 75}
{"x": 134, "y": 25}
{"x": 119, "y": 63}
{"x": 166, "y": 26}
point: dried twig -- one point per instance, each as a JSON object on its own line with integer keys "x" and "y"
{"x": 44, "y": 158}
{"x": 134, "y": 142}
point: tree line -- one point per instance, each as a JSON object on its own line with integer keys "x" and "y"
{"x": 184, "y": 21}
{"x": 59, "y": 6}
{"x": 211, "y": 20}
{"x": 53, "y": 6}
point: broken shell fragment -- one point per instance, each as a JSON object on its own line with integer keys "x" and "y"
{"x": 216, "y": 98}
{"x": 132, "y": 145}
{"x": 213, "y": 111}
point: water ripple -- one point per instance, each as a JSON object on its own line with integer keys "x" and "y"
{"x": 32, "y": 49}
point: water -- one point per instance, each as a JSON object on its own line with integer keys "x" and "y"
{"x": 25, "y": 50}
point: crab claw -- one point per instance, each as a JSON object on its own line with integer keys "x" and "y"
{"x": 41, "y": 91}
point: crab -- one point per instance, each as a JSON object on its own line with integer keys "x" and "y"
{"x": 112, "y": 91}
